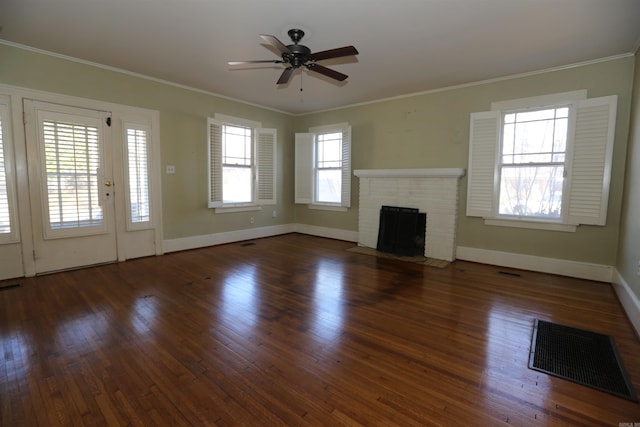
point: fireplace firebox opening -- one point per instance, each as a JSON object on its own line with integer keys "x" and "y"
{"x": 402, "y": 231}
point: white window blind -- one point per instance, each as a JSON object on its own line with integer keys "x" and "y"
{"x": 215, "y": 163}
{"x": 304, "y": 168}
{"x": 267, "y": 140}
{"x": 484, "y": 132}
{"x": 139, "y": 204}
{"x": 591, "y": 156}
{"x": 72, "y": 162}
{"x": 5, "y": 218}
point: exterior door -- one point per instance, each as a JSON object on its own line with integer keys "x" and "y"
{"x": 71, "y": 190}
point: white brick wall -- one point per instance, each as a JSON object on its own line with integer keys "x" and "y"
{"x": 432, "y": 191}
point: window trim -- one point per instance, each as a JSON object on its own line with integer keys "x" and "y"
{"x": 484, "y": 161}
{"x": 263, "y": 165}
{"x": 13, "y": 236}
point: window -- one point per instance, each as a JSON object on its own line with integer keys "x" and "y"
{"x": 237, "y": 164}
{"x": 323, "y": 166}
{"x": 532, "y": 162}
{"x": 328, "y": 167}
{"x": 8, "y": 229}
{"x": 241, "y": 163}
{"x": 542, "y": 160}
{"x": 137, "y": 138}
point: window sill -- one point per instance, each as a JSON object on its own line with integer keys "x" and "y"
{"x": 239, "y": 208}
{"x": 534, "y": 225}
{"x": 335, "y": 208}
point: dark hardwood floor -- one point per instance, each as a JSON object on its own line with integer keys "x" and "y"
{"x": 295, "y": 330}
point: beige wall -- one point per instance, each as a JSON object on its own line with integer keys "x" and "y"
{"x": 629, "y": 249}
{"x": 421, "y": 131}
{"x": 183, "y": 137}
{"x": 432, "y": 130}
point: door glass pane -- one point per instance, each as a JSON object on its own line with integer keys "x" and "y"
{"x": 72, "y": 161}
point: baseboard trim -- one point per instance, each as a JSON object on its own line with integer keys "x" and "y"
{"x": 628, "y": 299}
{"x": 193, "y": 242}
{"x": 581, "y": 270}
{"x": 331, "y": 233}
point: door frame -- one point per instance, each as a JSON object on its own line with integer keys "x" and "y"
{"x": 120, "y": 114}
{"x": 64, "y": 248}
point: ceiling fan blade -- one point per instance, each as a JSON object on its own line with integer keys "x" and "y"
{"x": 273, "y": 41}
{"x": 264, "y": 61}
{"x": 334, "y": 53}
{"x": 326, "y": 71}
{"x": 285, "y": 76}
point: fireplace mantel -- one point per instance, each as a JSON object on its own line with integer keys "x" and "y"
{"x": 410, "y": 173}
{"x": 432, "y": 191}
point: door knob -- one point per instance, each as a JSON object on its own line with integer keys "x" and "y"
{"x": 107, "y": 183}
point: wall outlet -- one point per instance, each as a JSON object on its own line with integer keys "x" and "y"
{"x": 275, "y": 214}
{"x": 170, "y": 169}
{"x": 252, "y": 220}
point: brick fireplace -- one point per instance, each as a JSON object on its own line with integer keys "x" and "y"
{"x": 432, "y": 191}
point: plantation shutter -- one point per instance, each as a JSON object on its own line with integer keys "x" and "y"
{"x": 137, "y": 152}
{"x": 484, "y": 134}
{"x": 590, "y": 161}
{"x": 266, "y": 161}
{"x": 346, "y": 167}
{"x": 215, "y": 163}
{"x": 304, "y": 168}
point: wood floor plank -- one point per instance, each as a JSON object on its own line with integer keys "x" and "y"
{"x": 296, "y": 330}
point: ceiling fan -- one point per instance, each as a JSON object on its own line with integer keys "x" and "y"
{"x": 296, "y": 55}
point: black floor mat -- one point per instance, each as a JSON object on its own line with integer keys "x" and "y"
{"x": 580, "y": 356}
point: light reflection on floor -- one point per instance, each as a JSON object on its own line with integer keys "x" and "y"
{"x": 144, "y": 315}
{"x": 75, "y": 334}
{"x": 16, "y": 352}
{"x": 328, "y": 301}
{"x": 240, "y": 299}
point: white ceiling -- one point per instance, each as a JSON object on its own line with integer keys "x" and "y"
{"x": 406, "y": 46}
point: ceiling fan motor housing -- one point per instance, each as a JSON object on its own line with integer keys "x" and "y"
{"x": 298, "y": 56}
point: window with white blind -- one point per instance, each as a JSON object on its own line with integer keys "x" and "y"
{"x": 323, "y": 167}
{"x": 241, "y": 163}
{"x": 72, "y": 164}
{"x": 8, "y": 228}
{"x": 137, "y": 139}
{"x": 542, "y": 162}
